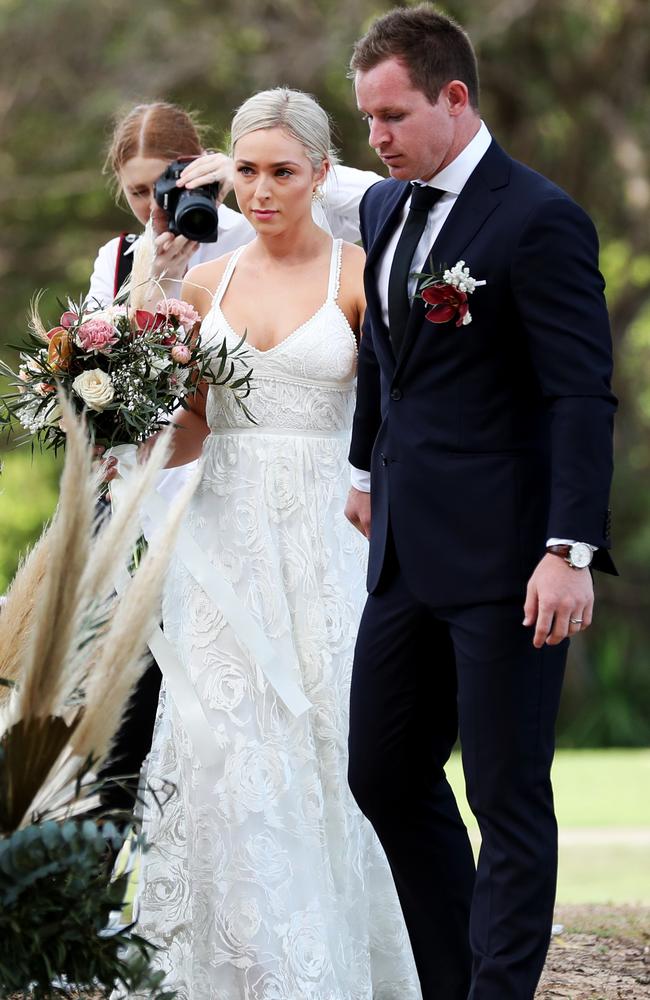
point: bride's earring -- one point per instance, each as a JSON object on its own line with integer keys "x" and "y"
{"x": 317, "y": 196}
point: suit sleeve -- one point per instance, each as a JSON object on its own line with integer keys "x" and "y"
{"x": 367, "y": 414}
{"x": 559, "y": 293}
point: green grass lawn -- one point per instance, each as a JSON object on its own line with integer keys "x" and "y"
{"x": 603, "y": 806}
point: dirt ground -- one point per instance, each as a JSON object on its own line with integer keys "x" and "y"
{"x": 603, "y": 953}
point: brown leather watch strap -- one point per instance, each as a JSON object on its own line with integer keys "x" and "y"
{"x": 559, "y": 550}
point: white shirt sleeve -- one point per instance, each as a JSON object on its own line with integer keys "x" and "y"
{"x": 360, "y": 479}
{"x": 102, "y": 280}
{"x": 566, "y": 541}
{"x": 343, "y": 189}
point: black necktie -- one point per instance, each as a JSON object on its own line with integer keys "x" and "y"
{"x": 423, "y": 199}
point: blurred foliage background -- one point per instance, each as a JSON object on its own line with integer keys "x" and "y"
{"x": 565, "y": 88}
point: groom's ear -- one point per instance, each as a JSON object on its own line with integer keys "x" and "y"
{"x": 455, "y": 97}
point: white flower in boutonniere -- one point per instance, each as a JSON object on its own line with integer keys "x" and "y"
{"x": 446, "y": 292}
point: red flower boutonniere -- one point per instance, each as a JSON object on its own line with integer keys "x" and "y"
{"x": 447, "y": 294}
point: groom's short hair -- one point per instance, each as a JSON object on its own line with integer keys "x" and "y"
{"x": 433, "y": 48}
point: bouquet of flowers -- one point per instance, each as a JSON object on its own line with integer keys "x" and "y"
{"x": 128, "y": 369}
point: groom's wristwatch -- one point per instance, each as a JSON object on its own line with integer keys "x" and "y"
{"x": 578, "y": 555}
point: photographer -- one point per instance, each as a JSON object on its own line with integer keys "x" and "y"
{"x": 144, "y": 143}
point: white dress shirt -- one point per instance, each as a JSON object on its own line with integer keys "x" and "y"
{"x": 451, "y": 180}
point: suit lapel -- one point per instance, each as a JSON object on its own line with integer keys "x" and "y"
{"x": 475, "y": 204}
{"x": 393, "y": 208}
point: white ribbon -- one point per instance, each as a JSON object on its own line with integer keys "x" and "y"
{"x": 247, "y": 630}
{"x": 181, "y": 689}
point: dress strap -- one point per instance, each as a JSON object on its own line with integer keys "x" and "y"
{"x": 335, "y": 270}
{"x": 226, "y": 276}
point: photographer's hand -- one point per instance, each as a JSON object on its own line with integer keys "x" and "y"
{"x": 172, "y": 253}
{"x": 207, "y": 169}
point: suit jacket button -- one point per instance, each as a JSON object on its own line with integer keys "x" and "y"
{"x": 396, "y": 394}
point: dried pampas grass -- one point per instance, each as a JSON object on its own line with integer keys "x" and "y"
{"x": 17, "y": 614}
{"x": 56, "y": 612}
{"x": 35, "y": 321}
{"x": 72, "y": 649}
{"x": 139, "y": 283}
{"x": 117, "y": 657}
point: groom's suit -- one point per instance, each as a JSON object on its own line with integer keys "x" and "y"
{"x": 483, "y": 442}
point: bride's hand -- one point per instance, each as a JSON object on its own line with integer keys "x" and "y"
{"x": 207, "y": 169}
{"x": 108, "y": 466}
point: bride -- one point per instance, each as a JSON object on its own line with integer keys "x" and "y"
{"x": 263, "y": 880}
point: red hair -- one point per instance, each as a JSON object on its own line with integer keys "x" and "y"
{"x": 158, "y": 131}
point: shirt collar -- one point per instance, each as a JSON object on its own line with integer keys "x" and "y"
{"x": 456, "y": 174}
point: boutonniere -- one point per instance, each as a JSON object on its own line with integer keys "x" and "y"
{"x": 447, "y": 293}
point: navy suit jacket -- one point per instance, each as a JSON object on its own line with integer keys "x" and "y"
{"x": 485, "y": 440}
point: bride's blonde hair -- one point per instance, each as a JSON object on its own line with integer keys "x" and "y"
{"x": 299, "y": 114}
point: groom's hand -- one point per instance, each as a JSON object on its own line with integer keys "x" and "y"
{"x": 559, "y": 601}
{"x": 357, "y": 510}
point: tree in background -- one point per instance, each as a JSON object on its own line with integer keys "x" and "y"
{"x": 565, "y": 88}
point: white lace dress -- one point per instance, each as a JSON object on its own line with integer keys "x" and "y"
{"x": 264, "y": 882}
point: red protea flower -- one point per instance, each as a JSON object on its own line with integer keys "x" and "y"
{"x": 146, "y": 320}
{"x": 447, "y": 302}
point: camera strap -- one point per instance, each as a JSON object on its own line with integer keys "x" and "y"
{"x": 124, "y": 261}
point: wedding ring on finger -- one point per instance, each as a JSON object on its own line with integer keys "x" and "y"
{"x": 576, "y": 621}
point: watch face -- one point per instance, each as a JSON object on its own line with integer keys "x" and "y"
{"x": 580, "y": 555}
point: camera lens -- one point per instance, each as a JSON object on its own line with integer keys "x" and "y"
{"x": 196, "y": 218}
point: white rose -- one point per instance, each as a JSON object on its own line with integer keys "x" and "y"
{"x": 95, "y": 388}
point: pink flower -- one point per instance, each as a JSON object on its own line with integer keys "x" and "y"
{"x": 181, "y": 354}
{"x": 96, "y": 335}
{"x": 69, "y": 319}
{"x": 186, "y": 314}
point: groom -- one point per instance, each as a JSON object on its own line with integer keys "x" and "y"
{"x": 487, "y": 448}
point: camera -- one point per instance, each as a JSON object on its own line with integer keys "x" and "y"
{"x": 192, "y": 214}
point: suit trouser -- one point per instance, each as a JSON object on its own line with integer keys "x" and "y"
{"x": 420, "y": 675}
{"x": 132, "y": 743}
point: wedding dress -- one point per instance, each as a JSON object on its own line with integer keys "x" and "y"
{"x": 263, "y": 881}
